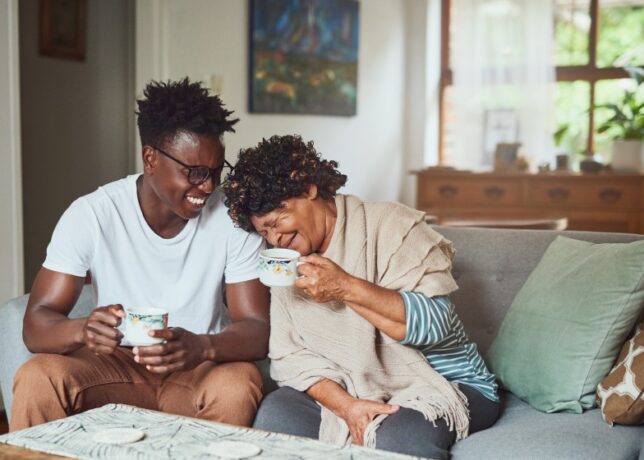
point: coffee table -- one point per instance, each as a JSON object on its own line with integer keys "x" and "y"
{"x": 8, "y": 452}
{"x": 166, "y": 437}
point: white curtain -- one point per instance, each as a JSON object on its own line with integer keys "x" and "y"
{"x": 503, "y": 80}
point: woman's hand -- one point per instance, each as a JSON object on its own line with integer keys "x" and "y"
{"x": 100, "y": 333}
{"x": 322, "y": 280}
{"x": 181, "y": 351}
{"x": 360, "y": 412}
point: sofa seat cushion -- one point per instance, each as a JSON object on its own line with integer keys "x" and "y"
{"x": 523, "y": 432}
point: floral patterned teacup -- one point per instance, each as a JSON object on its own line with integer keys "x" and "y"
{"x": 140, "y": 321}
{"x": 278, "y": 267}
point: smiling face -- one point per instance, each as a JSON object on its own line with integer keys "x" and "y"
{"x": 174, "y": 196}
{"x": 303, "y": 224}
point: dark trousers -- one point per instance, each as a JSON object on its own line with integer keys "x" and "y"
{"x": 290, "y": 411}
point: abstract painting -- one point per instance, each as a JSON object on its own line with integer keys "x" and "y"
{"x": 304, "y": 56}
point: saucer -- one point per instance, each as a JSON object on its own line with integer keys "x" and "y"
{"x": 233, "y": 449}
{"x": 118, "y": 435}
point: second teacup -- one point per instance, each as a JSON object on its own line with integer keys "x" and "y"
{"x": 278, "y": 267}
{"x": 140, "y": 321}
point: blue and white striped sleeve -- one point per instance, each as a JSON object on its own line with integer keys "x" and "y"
{"x": 428, "y": 319}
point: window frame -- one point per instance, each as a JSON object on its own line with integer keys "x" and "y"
{"x": 589, "y": 72}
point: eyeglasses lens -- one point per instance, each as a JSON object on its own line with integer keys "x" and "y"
{"x": 199, "y": 175}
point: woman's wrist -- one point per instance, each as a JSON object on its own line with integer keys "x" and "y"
{"x": 332, "y": 396}
{"x": 350, "y": 290}
{"x": 342, "y": 406}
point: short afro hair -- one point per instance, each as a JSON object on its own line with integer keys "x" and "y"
{"x": 169, "y": 108}
{"x": 279, "y": 168}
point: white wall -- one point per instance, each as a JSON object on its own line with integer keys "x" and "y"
{"x": 203, "y": 37}
{"x": 77, "y": 118}
{"x": 415, "y": 97}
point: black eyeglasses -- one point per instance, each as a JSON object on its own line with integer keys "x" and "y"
{"x": 197, "y": 175}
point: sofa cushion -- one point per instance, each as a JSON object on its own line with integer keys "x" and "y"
{"x": 565, "y": 327}
{"x": 524, "y": 433}
{"x": 621, "y": 394}
{"x": 490, "y": 267}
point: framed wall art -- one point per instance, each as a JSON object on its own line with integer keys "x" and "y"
{"x": 304, "y": 56}
{"x": 63, "y": 28}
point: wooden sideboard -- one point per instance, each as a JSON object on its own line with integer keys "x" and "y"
{"x": 607, "y": 202}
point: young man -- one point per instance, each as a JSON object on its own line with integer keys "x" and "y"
{"x": 159, "y": 239}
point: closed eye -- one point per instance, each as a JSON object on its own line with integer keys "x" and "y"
{"x": 279, "y": 219}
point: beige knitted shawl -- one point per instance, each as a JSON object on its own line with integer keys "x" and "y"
{"x": 389, "y": 245}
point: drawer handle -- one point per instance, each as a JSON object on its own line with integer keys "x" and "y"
{"x": 447, "y": 191}
{"x": 558, "y": 194}
{"x": 610, "y": 195}
{"x": 494, "y": 192}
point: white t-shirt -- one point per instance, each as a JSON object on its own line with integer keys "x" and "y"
{"x": 106, "y": 234}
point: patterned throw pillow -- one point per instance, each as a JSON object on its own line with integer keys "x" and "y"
{"x": 621, "y": 394}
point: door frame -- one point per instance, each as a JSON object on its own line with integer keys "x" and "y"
{"x": 11, "y": 226}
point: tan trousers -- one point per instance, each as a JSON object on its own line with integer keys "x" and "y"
{"x": 50, "y": 386}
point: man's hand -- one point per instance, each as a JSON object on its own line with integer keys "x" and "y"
{"x": 321, "y": 279}
{"x": 100, "y": 333}
{"x": 360, "y": 412}
{"x": 181, "y": 351}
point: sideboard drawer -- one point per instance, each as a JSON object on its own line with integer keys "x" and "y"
{"x": 469, "y": 192}
{"x": 584, "y": 194}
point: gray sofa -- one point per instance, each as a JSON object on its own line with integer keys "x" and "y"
{"x": 490, "y": 267}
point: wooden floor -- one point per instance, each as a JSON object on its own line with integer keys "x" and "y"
{"x": 4, "y": 425}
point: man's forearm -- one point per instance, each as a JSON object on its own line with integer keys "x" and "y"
{"x": 245, "y": 340}
{"x": 47, "y": 331}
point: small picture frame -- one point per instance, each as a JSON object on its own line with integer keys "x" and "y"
{"x": 505, "y": 156}
{"x": 63, "y": 28}
{"x": 501, "y": 125}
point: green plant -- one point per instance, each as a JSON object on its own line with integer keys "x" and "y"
{"x": 627, "y": 120}
{"x": 569, "y": 138}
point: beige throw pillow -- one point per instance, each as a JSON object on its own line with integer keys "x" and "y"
{"x": 621, "y": 394}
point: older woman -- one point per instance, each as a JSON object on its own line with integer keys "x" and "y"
{"x": 367, "y": 347}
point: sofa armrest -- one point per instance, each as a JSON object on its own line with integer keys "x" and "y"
{"x": 13, "y": 352}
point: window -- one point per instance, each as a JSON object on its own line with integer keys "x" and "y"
{"x": 595, "y": 41}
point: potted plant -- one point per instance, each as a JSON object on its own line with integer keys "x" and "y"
{"x": 626, "y": 126}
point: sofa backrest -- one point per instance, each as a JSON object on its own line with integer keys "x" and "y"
{"x": 491, "y": 265}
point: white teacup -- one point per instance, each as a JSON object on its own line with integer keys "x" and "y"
{"x": 139, "y": 322}
{"x": 278, "y": 267}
